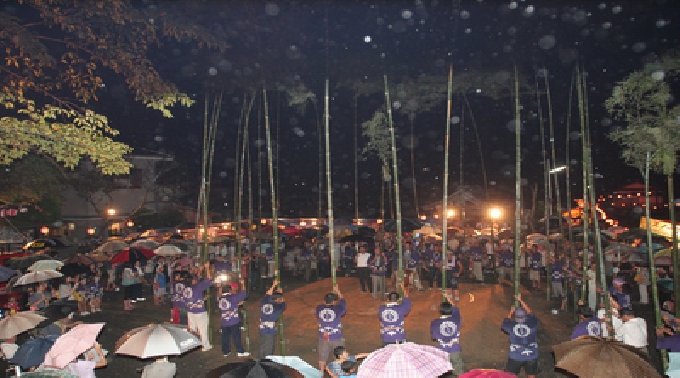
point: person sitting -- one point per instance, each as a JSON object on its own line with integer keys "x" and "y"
{"x": 334, "y": 368}
{"x": 349, "y": 368}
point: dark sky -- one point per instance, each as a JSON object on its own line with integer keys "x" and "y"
{"x": 291, "y": 42}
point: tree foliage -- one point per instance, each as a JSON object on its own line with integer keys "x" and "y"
{"x": 644, "y": 102}
{"x": 30, "y": 180}
{"x": 55, "y": 56}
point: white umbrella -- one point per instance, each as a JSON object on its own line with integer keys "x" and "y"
{"x": 168, "y": 250}
{"x": 307, "y": 370}
{"x": 145, "y": 243}
{"x": 45, "y": 265}
{"x": 112, "y": 246}
{"x": 157, "y": 340}
{"x": 39, "y": 276}
{"x": 18, "y": 323}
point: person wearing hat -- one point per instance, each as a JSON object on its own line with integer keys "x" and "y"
{"x": 619, "y": 293}
{"x": 632, "y": 330}
{"x": 522, "y": 326}
{"x": 589, "y": 325}
{"x": 271, "y": 306}
{"x": 392, "y": 316}
{"x": 329, "y": 315}
{"x": 446, "y": 331}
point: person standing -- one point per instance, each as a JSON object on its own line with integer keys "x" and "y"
{"x": 272, "y": 306}
{"x": 194, "y": 297}
{"x": 557, "y": 282}
{"x": 228, "y": 304}
{"x": 434, "y": 266}
{"x": 329, "y": 315}
{"x": 363, "y": 270}
{"x": 536, "y": 266}
{"x": 476, "y": 255}
{"x": 522, "y": 326}
{"x": 621, "y": 295}
{"x": 378, "y": 265}
{"x": 454, "y": 268}
{"x": 671, "y": 342}
{"x": 589, "y": 325}
{"x": 642, "y": 279}
{"x": 392, "y": 316}
{"x": 632, "y": 330}
{"x": 413, "y": 262}
{"x": 348, "y": 255}
{"x": 128, "y": 281}
{"x": 178, "y": 312}
{"x": 591, "y": 285}
{"x": 446, "y": 331}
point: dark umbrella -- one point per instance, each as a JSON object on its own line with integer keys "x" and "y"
{"x": 354, "y": 238}
{"x": 6, "y": 273}
{"x": 79, "y": 259}
{"x": 72, "y": 270}
{"x": 506, "y": 234}
{"x": 254, "y": 369}
{"x": 407, "y": 225}
{"x": 32, "y": 353}
{"x": 176, "y": 237}
{"x": 365, "y": 230}
{"x": 43, "y": 243}
{"x": 132, "y": 255}
{"x": 59, "y": 310}
{"x": 25, "y": 262}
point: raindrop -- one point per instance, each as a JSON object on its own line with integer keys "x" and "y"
{"x": 658, "y": 75}
{"x": 639, "y": 47}
{"x": 158, "y": 138}
{"x": 602, "y": 6}
{"x": 455, "y": 120}
{"x": 606, "y": 122}
{"x": 512, "y": 5}
{"x": 464, "y": 15}
{"x": 468, "y": 30}
{"x": 271, "y": 9}
{"x": 298, "y": 131}
{"x": 616, "y": 9}
{"x": 661, "y": 23}
{"x": 223, "y": 174}
{"x": 406, "y": 14}
{"x": 212, "y": 71}
{"x": 512, "y": 30}
{"x": 368, "y": 39}
{"x": 607, "y": 25}
{"x": 396, "y": 104}
{"x": 479, "y": 90}
{"x": 529, "y": 10}
{"x": 547, "y": 42}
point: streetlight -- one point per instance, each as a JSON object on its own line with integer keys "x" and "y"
{"x": 494, "y": 214}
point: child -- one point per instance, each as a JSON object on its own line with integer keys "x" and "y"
{"x": 334, "y": 368}
{"x": 349, "y": 368}
{"x": 12, "y": 305}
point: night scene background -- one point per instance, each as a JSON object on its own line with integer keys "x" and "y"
{"x": 290, "y": 44}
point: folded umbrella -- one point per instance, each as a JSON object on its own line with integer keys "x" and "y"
{"x": 72, "y": 344}
{"x": 45, "y": 265}
{"x": 20, "y": 322}
{"x": 32, "y": 352}
{"x": 407, "y": 360}
{"x": 157, "y": 340}
{"x": 39, "y": 276}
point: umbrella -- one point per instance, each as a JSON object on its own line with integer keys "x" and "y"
{"x": 18, "y": 323}
{"x": 32, "y": 352}
{"x": 98, "y": 257}
{"x": 45, "y": 265}
{"x": 488, "y": 373}
{"x": 619, "y": 248}
{"x": 407, "y": 225}
{"x": 132, "y": 255}
{"x": 506, "y": 234}
{"x": 181, "y": 244}
{"x": 72, "y": 270}
{"x": 6, "y": 273}
{"x": 254, "y": 369}
{"x": 146, "y": 244}
{"x": 297, "y": 363}
{"x": 71, "y": 344}
{"x": 404, "y": 361}
{"x": 597, "y": 357}
{"x": 112, "y": 246}
{"x": 39, "y": 276}
{"x": 176, "y": 237}
{"x": 79, "y": 259}
{"x": 25, "y": 262}
{"x": 60, "y": 309}
{"x": 157, "y": 340}
{"x": 168, "y": 250}
{"x": 354, "y": 238}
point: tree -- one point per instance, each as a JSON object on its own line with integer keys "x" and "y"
{"x": 57, "y": 54}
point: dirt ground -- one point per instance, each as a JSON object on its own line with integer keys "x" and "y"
{"x": 483, "y": 307}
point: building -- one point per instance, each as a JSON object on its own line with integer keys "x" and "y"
{"x": 633, "y": 195}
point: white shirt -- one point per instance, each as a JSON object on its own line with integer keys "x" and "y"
{"x": 632, "y": 332}
{"x": 616, "y": 321}
{"x": 362, "y": 259}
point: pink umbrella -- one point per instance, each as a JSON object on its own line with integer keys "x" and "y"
{"x": 72, "y": 344}
{"x": 407, "y": 360}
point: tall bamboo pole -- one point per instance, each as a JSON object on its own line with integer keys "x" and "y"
{"x": 329, "y": 192}
{"x": 547, "y": 203}
{"x": 584, "y": 148}
{"x": 275, "y": 205}
{"x": 567, "y": 148}
{"x": 518, "y": 183}
{"x": 674, "y": 250}
{"x": 445, "y": 191}
{"x": 395, "y": 182}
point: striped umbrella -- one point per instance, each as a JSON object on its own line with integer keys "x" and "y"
{"x": 407, "y": 360}
{"x": 157, "y": 340}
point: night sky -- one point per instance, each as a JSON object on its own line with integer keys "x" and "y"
{"x": 291, "y": 42}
